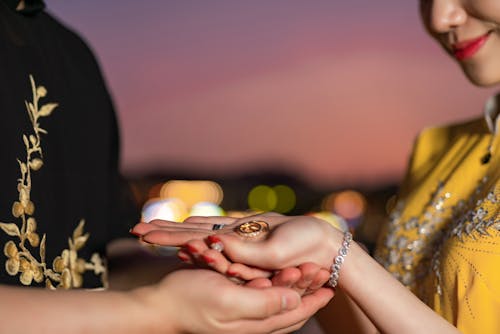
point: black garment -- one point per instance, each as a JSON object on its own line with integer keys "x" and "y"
{"x": 79, "y": 177}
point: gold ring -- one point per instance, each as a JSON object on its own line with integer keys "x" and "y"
{"x": 252, "y": 228}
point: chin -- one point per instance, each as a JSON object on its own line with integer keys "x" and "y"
{"x": 482, "y": 78}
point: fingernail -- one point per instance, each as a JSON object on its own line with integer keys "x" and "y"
{"x": 232, "y": 273}
{"x": 131, "y": 231}
{"x": 213, "y": 239}
{"x": 192, "y": 249}
{"x": 289, "y": 302}
{"x": 207, "y": 259}
{"x": 183, "y": 257}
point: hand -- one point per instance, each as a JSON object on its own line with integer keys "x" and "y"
{"x": 201, "y": 301}
{"x": 314, "y": 238}
{"x": 168, "y": 233}
{"x": 291, "y": 242}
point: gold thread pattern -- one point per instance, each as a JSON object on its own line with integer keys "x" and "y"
{"x": 67, "y": 268}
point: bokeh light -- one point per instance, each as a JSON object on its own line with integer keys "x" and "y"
{"x": 280, "y": 198}
{"x": 349, "y": 204}
{"x": 262, "y": 198}
{"x": 286, "y": 199}
{"x": 166, "y": 209}
{"x": 192, "y": 192}
{"x": 206, "y": 209}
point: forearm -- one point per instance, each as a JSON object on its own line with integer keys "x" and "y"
{"x": 342, "y": 315}
{"x": 30, "y": 310}
{"x": 389, "y": 305}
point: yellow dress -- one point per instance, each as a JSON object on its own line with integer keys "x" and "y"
{"x": 443, "y": 237}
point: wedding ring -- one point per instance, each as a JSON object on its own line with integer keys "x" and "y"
{"x": 216, "y": 227}
{"x": 252, "y": 228}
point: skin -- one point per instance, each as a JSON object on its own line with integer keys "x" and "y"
{"x": 293, "y": 241}
{"x": 187, "y": 301}
{"x": 451, "y": 21}
{"x": 304, "y": 279}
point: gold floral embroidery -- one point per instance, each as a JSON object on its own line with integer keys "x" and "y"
{"x": 67, "y": 268}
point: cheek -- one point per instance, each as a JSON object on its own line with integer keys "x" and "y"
{"x": 485, "y": 10}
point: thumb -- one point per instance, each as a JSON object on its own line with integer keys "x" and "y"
{"x": 254, "y": 303}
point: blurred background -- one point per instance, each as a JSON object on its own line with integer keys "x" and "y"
{"x": 293, "y": 106}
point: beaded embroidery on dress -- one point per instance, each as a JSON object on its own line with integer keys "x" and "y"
{"x": 443, "y": 237}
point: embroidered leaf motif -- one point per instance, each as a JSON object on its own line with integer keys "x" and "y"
{"x": 80, "y": 241}
{"x": 25, "y": 140}
{"x": 42, "y": 249}
{"x": 10, "y": 229}
{"x": 41, "y": 130}
{"x": 79, "y": 229}
{"x": 47, "y": 109}
{"x": 31, "y": 107}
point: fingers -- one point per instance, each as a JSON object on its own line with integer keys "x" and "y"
{"x": 197, "y": 252}
{"x": 259, "y": 283}
{"x": 246, "y": 272}
{"x": 309, "y": 272}
{"x": 209, "y": 220}
{"x": 320, "y": 280}
{"x": 251, "y": 303}
{"x": 174, "y": 237}
{"x": 294, "y": 319}
{"x": 257, "y": 254}
{"x": 287, "y": 277}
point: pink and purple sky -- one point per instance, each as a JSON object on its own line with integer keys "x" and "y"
{"x": 330, "y": 90}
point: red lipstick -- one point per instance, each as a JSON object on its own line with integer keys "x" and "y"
{"x": 468, "y": 48}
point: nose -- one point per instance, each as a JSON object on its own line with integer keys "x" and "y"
{"x": 445, "y": 15}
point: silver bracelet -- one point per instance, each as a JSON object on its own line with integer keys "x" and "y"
{"x": 339, "y": 259}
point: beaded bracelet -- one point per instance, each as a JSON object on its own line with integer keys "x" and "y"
{"x": 339, "y": 259}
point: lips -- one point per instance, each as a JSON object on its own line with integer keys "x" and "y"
{"x": 468, "y": 48}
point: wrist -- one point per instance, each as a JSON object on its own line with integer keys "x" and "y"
{"x": 154, "y": 313}
{"x": 352, "y": 269}
{"x": 339, "y": 259}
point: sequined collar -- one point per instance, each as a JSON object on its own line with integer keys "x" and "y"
{"x": 31, "y": 7}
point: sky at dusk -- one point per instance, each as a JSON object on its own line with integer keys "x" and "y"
{"x": 330, "y": 90}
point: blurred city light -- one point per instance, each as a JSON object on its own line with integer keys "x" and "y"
{"x": 206, "y": 209}
{"x": 192, "y": 192}
{"x": 280, "y": 198}
{"x": 166, "y": 209}
{"x": 348, "y": 204}
{"x": 262, "y": 198}
{"x": 286, "y": 199}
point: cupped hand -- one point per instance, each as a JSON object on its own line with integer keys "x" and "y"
{"x": 202, "y": 301}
